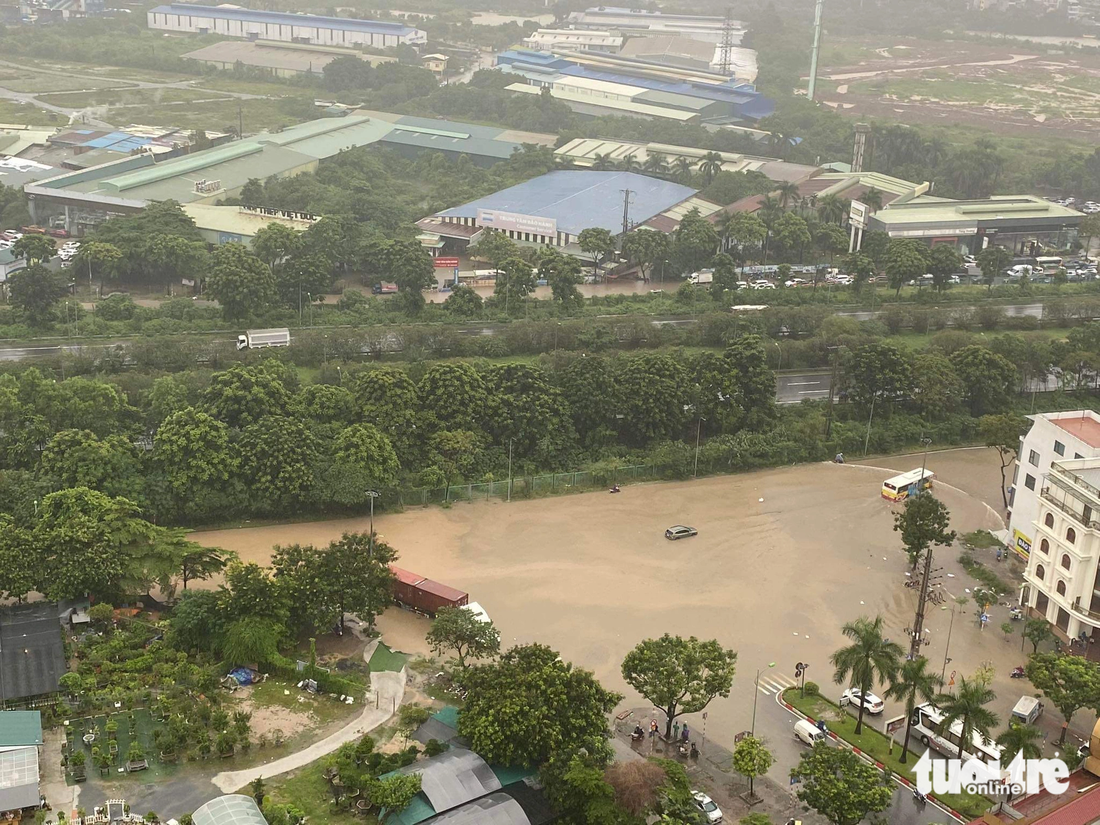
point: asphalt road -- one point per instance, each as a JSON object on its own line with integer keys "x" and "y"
{"x": 795, "y": 387}
{"x": 776, "y": 725}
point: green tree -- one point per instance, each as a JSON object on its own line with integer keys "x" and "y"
{"x": 240, "y": 282}
{"x": 992, "y": 261}
{"x": 304, "y": 274}
{"x": 860, "y": 267}
{"x": 679, "y": 675}
{"x": 943, "y": 262}
{"x": 831, "y": 239}
{"x": 455, "y": 394}
{"x": 36, "y": 290}
{"x": 458, "y": 629}
{"x": 249, "y": 591}
{"x": 525, "y": 409}
{"x": 878, "y": 372}
{"x": 1017, "y": 738}
{"x": 751, "y": 759}
{"x": 35, "y": 249}
{"x": 387, "y": 399}
{"x": 102, "y": 256}
{"x": 1037, "y": 631}
{"x": 277, "y": 456}
{"x": 591, "y": 391}
{"x": 358, "y": 576}
{"x": 905, "y": 260}
{"x": 937, "y": 389}
{"x": 870, "y": 658}
{"x": 173, "y": 257}
{"x": 346, "y": 74}
{"x": 76, "y": 458}
{"x": 755, "y": 380}
{"x": 362, "y": 459}
{"x": 253, "y": 640}
{"x": 710, "y": 165}
{"x": 923, "y": 522}
{"x": 598, "y": 244}
{"x": 410, "y": 267}
{"x": 515, "y": 280}
{"x": 840, "y": 786}
{"x": 198, "y": 622}
{"x": 495, "y": 247}
{"x": 200, "y": 563}
{"x": 392, "y": 794}
{"x": 989, "y": 378}
{"x": 563, "y": 708}
{"x": 259, "y": 790}
{"x": 20, "y": 561}
{"x": 191, "y": 449}
{"x": 275, "y": 243}
{"x": 464, "y": 302}
{"x": 652, "y": 389}
{"x": 792, "y": 235}
{"x": 967, "y": 705}
{"x": 242, "y": 395}
{"x": 649, "y": 250}
{"x": 1002, "y": 433}
{"x": 1069, "y": 682}
{"x": 913, "y": 683}
{"x": 562, "y": 273}
{"x": 694, "y": 243}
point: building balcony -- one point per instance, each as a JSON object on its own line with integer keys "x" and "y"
{"x": 1065, "y": 506}
{"x": 1090, "y": 617}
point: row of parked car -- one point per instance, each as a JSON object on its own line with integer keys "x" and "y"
{"x": 8, "y": 239}
{"x": 68, "y": 251}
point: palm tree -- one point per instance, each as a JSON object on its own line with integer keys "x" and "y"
{"x": 872, "y": 199}
{"x": 629, "y": 164}
{"x": 870, "y": 658}
{"x": 788, "y": 194}
{"x": 914, "y": 682}
{"x": 656, "y": 164}
{"x": 968, "y": 705}
{"x": 830, "y": 208}
{"x": 770, "y": 211}
{"x": 710, "y": 166}
{"x": 1020, "y": 739}
{"x": 683, "y": 167}
{"x": 603, "y": 163}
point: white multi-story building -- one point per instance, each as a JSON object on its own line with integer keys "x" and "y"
{"x": 1052, "y": 437}
{"x": 233, "y": 21}
{"x": 545, "y": 40}
{"x": 1062, "y": 581}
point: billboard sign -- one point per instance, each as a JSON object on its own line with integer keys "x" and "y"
{"x": 857, "y": 215}
{"x": 445, "y": 263}
{"x": 514, "y": 222}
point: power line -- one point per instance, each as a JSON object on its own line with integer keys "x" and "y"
{"x": 726, "y": 46}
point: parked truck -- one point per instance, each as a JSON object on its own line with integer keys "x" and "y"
{"x": 414, "y": 592}
{"x": 262, "y": 338}
{"x": 703, "y": 277}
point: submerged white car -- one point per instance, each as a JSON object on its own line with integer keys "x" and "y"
{"x": 708, "y": 807}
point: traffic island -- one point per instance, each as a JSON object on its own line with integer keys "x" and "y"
{"x": 875, "y": 747}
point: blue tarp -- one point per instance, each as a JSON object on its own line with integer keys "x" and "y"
{"x": 242, "y": 676}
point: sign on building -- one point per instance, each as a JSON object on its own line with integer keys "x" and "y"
{"x": 857, "y": 215}
{"x": 514, "y": 222}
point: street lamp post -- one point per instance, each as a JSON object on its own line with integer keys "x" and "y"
{"x": 509, "y": 469}
{"x": 756, "y": 681}
{"x": 372, "y": 495}
{"x": 698, "y": 433}
{"x": 946, "y": 659}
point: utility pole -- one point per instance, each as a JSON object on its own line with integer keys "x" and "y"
{"x": 832, "y": 390}
{"x": 240, "y": 118}
{"x": 626, "y": 213}
{"x": 372, "y": 495}
{"x": 915, "y": 636}
{"x": 815, "y": 53}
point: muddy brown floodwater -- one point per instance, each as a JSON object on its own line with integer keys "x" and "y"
{"x": 782, "y": 560}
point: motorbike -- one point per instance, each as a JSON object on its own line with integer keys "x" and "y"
{"x": 1016, "y": 614}
{"x": 684, "y": 750}
{"x": 637, "y": 735}
{"x": 919, "y": 797}
{"x": 1018, "y": 673}
{"x": 614, "y": 489}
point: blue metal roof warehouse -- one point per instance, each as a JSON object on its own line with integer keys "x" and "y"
{"x": 578, "y": 200}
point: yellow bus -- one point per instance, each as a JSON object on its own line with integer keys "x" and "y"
{"x": 907, "y": 484}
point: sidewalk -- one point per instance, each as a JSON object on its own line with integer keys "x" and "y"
{"x": 385, "y": 696}
{"x": 712, "y": 773}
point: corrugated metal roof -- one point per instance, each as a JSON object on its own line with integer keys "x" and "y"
{"x": 630, "y": 106}
{"x": 406, "y": 576}
{"x": 495, "y": 809}
{"x": 454, "y": 777}
{"x": 31, "y": 656}
{"x": 578, "y": 200}
{"x": 285, "y": 19}
{"x": 20, "y": 727}
{"x": 452, "y": 594}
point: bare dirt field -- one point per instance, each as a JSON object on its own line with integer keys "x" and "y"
{"x": 1011, "y": 88}
{"x": 783, "y": 558}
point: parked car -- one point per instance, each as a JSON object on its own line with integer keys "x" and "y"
{"x": 761, "y": 285}
{"x": 680, "y": 531}
{"x": 707, "y": 806}
{"x": 871, "y": 703}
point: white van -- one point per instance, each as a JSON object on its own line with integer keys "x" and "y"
{"x": 807, "y": 733}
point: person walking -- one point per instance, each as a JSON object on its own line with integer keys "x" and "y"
{"x": 652, "y": 728}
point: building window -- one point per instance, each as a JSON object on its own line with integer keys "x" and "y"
{"x": 1040, "y": 572}
{"x": 1029, "y": 481}
{"x": 1049, "y": 520}
{"x": 1061, "y": 588}
{"x": 1071, "y": 535}
{"x": 1059, "y": 448}
{"x": 1065, "y": 561}
{"x": 1044, "y": 547}
{"x": 1077, "y": 455}
{"x": 1033, "y": 459}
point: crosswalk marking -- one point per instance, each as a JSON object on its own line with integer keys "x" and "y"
{"x": 775, "y": 683}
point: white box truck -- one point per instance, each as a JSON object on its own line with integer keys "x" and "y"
{"x": 261, "y": 338}
{"x": 701, "y": 278}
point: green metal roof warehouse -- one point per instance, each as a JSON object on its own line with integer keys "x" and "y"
{"x": 80, "y": 200}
